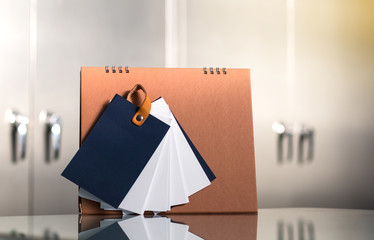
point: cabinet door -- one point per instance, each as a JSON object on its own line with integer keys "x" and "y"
{"x": 311, "y": 63}
{"x": 334, "y": 93}
{"x": 72, "y": 34}
{"x": 14, "y": 107}
{"x": 248, "y": 34}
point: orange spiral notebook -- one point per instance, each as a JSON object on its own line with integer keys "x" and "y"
{"x": 213, "y": 106}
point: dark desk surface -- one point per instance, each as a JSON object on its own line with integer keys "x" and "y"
{"x": 278, "y": 224}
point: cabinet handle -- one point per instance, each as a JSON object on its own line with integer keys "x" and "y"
{"x": 306, "y": 134}
{"x": 283, "y": 132}
{"x": 18, "y": 134}
{"x": 53, "y": 130}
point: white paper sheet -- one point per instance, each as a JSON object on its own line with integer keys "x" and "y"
{"x": 136, "y": 198}
{"x": 135, "y": 228}
{"x": 172, "y": 174}
{"x": 158, "y": 195}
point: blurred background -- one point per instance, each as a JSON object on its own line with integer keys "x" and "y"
{"x": 312, "y": 75}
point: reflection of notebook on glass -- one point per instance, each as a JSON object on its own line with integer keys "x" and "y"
{"x": 140, "y": 227}
{"x": 215, "y": 112}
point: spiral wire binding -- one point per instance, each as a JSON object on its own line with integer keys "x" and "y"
{"x": 211, "y": 70}
{"x": 205, "y": 70}
{"x": 119, "y": 69}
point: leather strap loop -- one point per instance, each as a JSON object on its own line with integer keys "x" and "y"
{"x": 144, "y": 108}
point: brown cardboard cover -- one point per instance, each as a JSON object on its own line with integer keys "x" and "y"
{"x": 215, "y": 110}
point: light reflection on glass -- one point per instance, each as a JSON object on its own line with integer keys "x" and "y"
{"x": 173, "y": 227}
{"x": 139, "y": 227}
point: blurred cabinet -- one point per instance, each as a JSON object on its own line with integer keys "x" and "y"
{"x": 14, "y": 98}
{"x": 250, "y": 34}
{"x": 71, "y": 34}
{"x": 311, "y": 64}
{"x": 329, "y": 90}
{"x": 334, "y": 92}
{"x": 43, "y": 44}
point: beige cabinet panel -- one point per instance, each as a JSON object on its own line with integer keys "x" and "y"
{"x": 247, "y": 34}
{"x": 311, "y": 64}
{"x": 71, "y": 34}
{"x": 14, "y": 98}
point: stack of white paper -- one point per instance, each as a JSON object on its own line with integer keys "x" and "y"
{"x": 172, "y": 174}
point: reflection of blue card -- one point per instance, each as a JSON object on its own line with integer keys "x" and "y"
{"x": 115, "y": 152}
{"x": 140, "y": 227}
{"x": 113, "y": 232}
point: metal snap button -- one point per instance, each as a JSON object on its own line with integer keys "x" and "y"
{"x": 139, "y": 118}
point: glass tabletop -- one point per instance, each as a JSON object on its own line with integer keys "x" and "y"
{"x": 278, "y": 224}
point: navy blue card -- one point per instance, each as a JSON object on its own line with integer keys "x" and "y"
{"x": 208, "y": 172}
{"x": 115, "y": 152}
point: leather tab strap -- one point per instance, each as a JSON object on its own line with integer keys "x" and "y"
{"x": 144, "y": 108}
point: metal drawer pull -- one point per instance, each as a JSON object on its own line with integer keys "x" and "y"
{"x": 18, "y": 134}
{"x": 53, "y": 131}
